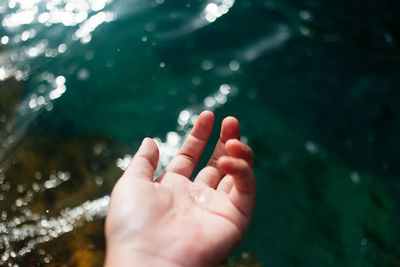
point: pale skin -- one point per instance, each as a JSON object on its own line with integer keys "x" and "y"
{"x": 173, "y": 221}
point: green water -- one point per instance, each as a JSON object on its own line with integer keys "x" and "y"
{"x": 313, "y": 83}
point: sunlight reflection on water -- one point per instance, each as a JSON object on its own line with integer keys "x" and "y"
{"x": 44, "y": 228}
{"x": 26, "y": 43}
{"x": 39, "y": 32}
{"x": 32, "y": 228}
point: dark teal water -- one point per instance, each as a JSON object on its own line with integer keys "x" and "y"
{"x": 315, "y": 85}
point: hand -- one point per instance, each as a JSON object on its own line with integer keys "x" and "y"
{"x": 173, "y": 221}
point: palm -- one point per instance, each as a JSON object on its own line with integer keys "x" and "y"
{"x": 202, "y": 217}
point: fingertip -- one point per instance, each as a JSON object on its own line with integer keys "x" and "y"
{"x": 231, "y": 118}
{"x": 230, "y": 129}
{"x": 233, "y": 165}
{"x": 209, "y": 117}
{"x": 207, "y": 113}
{"x": 149, "y": 149}
{"x": 233, "y": 144}
{"x": 144, "y": 162}
{"x": 149, "y": 142}
{"x": 224, "y": 162}
{"x": 146, "y": 140}
{"x": 236, "y": 148}
{"x": 231, "y": 121}
{"x": 203, "y": 126}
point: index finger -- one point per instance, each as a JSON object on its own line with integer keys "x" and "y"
{"x": 185, "y": 162}
{"x": 211, "y": 175}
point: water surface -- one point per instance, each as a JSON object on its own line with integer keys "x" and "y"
{"x": 314, "y": 84}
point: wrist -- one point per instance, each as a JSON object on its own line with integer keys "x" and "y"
{"x": 122, "y": 258}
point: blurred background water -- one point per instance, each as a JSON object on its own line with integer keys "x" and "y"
{"x": 315, "y": 85}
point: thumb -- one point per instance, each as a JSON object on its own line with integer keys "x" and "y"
{"x": 144, "y": 163}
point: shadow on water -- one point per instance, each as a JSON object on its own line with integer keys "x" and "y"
{"x": 313, "y": 84}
